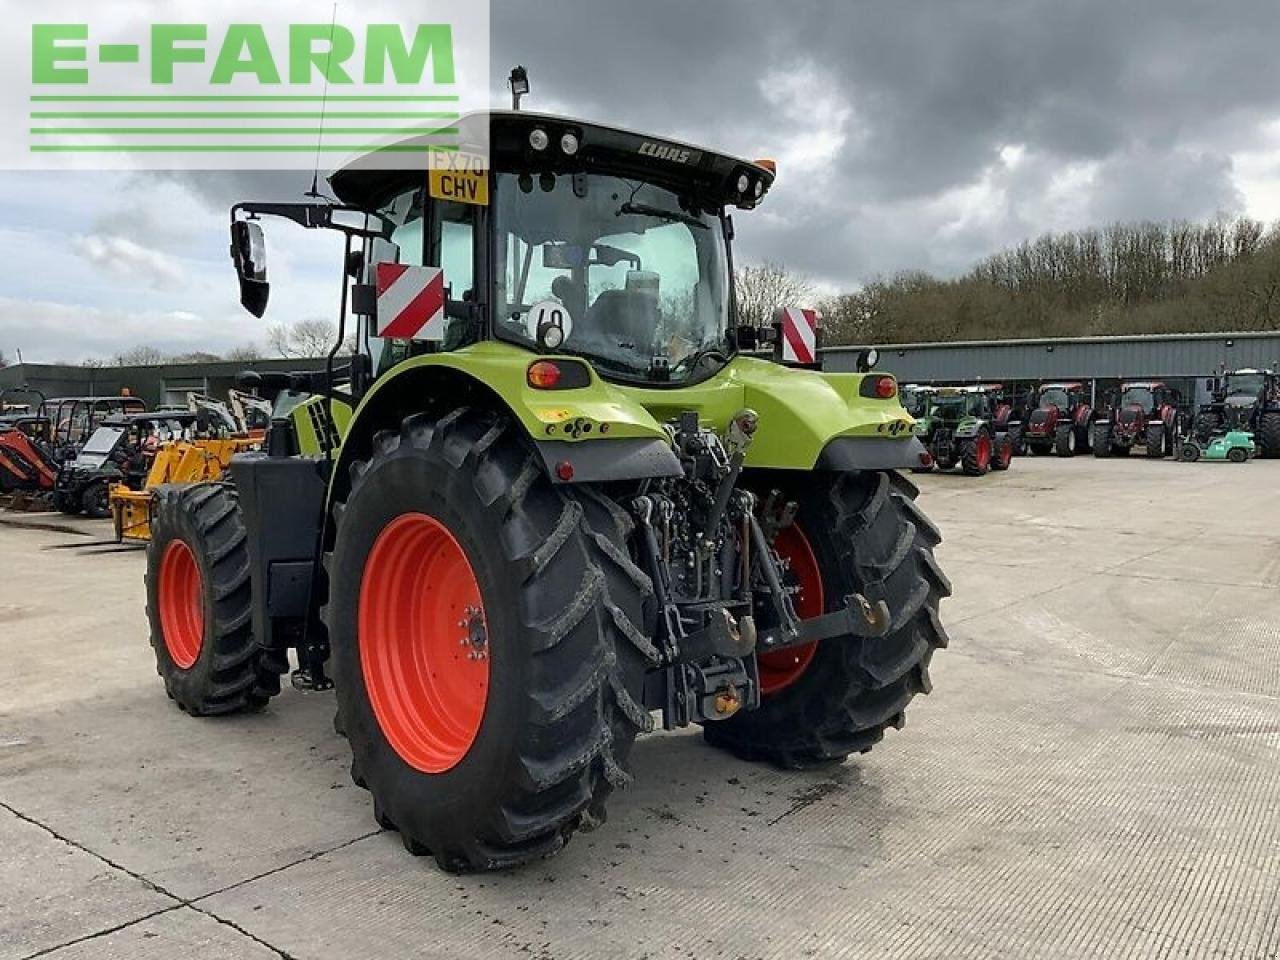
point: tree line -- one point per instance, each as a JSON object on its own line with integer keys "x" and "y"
{"x": 1126, "y": 278}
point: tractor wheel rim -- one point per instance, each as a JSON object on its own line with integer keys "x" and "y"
{"x": 982, "y": 451}
{"x": 423, "y": 641}
{"x": 181, "y": 604}
{"x": 782, "y": 668}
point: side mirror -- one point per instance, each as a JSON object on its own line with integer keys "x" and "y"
{"x": 249, "y": 253}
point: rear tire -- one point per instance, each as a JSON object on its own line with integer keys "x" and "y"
{"x": 975, "y": 453}
{"x": 66, "y": 504}
{"x": 567, "y": 620}
{"x": 1237, "y": 455}
{"x": 1102, "y": 440}
{"x": 867, "y": 535}
{"x": 200, "y": 604}
{"x": 1003, "y": 456}
{"x": 1269, "y": 436}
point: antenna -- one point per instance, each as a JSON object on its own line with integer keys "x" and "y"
{"x": 314, "y": 192}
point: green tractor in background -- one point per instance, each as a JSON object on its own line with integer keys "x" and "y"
{"x": 959, "y": 428}
{"x": 550, "y": 496}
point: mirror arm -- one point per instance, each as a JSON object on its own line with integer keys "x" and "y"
{"x": 313, "y": 216}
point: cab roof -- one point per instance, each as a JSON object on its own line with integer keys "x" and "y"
{"x": 707, "y": 175}
{"x": 1063, "y": 385}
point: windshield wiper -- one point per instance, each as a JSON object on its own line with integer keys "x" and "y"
{"x": 672, "y": 216}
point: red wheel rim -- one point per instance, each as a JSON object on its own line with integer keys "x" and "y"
{"x": 423, "y": 643}
{"x": 782, "y": 668}
{"x": 1006, "y": 455}
{"x": 181, "y": 604}
{"x": 982, "y": 451}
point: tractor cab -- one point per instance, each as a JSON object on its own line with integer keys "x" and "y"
{"x": 915, "y": 398}
{"x": 571, "y": 238}
{"x": 74, "y": 419}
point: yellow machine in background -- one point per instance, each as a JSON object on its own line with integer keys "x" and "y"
{"x": 177, "y": 462}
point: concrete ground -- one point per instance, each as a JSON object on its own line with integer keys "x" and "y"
{"x": 1097, "y": 772}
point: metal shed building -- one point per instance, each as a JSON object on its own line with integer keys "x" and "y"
{"x": 1184, "y": 360}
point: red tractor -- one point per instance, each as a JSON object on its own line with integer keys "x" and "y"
{"x": 1058, "y": 420}
{"x": 1147, "y": 413}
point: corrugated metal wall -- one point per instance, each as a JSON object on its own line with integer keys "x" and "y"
{"x": 1187, "y": 355}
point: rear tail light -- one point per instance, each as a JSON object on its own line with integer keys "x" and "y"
{"x": 881, "y": 387}
{"x": 558, "y": 375}
{"x": 544, "y": 375}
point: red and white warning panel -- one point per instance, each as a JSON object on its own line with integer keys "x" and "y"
{"x": 410, "y": 302}
{"x": 799, "y": 334}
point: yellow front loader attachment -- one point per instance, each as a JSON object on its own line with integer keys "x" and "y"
{"x": 176, "y": 462}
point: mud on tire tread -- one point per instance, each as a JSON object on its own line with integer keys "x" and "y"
{"x": 233, "y": 673}
{"x": 869, "y": 535}
{"x": 548, "y": 755}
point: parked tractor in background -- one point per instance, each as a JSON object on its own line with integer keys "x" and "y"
{"x": 1244, "y": 400}
{"x": 1144, "y": 413}
{"x": 550, "y": 495}
{"x": 1059, "y": 420}
{"x": 915, "y": 398}
{"x": 958, "y": 429}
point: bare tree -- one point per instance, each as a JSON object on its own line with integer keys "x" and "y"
{"x": 4, "y": 361}
{"x": 139, "y": 356}
{"x": 305, "y": 339}
{"x": 195, "y": 356}
{"x": 763, "y": 288}
{"x": 245, "y": 352}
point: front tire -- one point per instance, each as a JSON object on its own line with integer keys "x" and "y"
{"x": 1064, "y": 441}
{"x": 564, "y": 620}
{"x": 866, "y": 535}
{"x": 200, "y": 604}
{"x": 1155, "y": 441}
{"x": 96, "y": 500}
{"x": 1102, "y": 440}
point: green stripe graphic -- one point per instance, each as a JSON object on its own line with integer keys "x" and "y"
{"x": 265, "y": 98}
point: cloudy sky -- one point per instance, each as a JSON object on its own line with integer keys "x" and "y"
{"x": 909, "y": 135}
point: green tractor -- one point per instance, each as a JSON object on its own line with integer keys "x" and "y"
{"x": 965, "y": 427}
{"x": 551, "y": 497}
